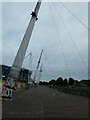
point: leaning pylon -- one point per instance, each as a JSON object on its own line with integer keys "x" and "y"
{"x": 18, "y": 61}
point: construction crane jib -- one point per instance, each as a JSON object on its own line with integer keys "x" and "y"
{"x": 39, "y": 74}
{"x": 37, "y": 68}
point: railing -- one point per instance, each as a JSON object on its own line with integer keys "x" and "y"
{"x": 82, "y": 91}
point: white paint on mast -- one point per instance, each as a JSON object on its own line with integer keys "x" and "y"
{"x": 24, "y": 44}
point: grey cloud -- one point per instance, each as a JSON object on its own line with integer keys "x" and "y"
{"x": 16, "y": 17}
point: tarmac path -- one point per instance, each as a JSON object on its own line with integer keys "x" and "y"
{"x": 44, "y": 102}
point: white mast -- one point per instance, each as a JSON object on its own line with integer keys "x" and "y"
{"x": 30, "y": 67}
{"x": 24, "y": 44}
{"x": 30, "y": 61}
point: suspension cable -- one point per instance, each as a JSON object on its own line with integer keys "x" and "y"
{"x": 75, "y": 16}
{"x": 60, "y": 44}
{"x": 71, "y": 38}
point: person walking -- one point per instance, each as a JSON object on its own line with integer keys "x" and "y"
{"x": 8, "y": 88}
{"x": 11, "y": 84}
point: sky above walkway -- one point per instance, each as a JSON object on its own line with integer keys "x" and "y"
{"x": 65, "y": 53}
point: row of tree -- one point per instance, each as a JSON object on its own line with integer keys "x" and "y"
{"x": 60, "y": 81}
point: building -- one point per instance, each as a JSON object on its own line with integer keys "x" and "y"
{"x": 23, "y": 76}
{"x": 85, "y": 83}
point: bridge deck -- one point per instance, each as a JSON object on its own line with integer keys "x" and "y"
{"x": 43, "y": 102}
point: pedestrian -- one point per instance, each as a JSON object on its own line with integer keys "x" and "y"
{"x": 8, "y": 88}
{"x": 5, "y": 91}
{"x": 11, "y": 84}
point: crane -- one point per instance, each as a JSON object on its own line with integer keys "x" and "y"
{"x": 37, "y": 67}
{"x": 39, "y": 74}
{"x": 30, "y": 67}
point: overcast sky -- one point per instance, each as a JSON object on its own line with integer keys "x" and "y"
{"x": 62, "y": 55}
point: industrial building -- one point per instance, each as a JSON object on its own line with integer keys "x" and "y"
{"x": 23, "y": 75}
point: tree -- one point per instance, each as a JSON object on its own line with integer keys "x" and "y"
{"x": 71, "y": 81}
{"x": 52, "y": 82}
{"x": 59, "y": 81}
{"x": 43, "y": 83}
{"x": 40, "y": 83}
{"x": 65, "y": 83}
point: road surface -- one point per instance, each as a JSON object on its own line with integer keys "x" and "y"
{"x": 44, "y": 102}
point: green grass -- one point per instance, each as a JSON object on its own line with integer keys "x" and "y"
{"x": 3, "y": 82}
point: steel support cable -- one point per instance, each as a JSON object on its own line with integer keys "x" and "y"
{"x": 25, "y": 59}
{"x": 44, "y": 57}
{"x": 60, "y": 44}
{"x": 27, "y": 56}
{"x": 45, "y": 60}
{"x": 71, "y": 39}
{"x": 75, "y": 16}
{"x": 30, "y": 61}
